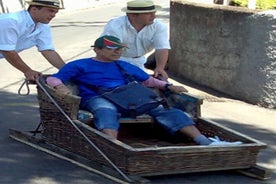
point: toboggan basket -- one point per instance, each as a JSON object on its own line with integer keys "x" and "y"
{"x": 143, "y": 154}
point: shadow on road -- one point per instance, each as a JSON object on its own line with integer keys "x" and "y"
{"x": 20, "y": 163}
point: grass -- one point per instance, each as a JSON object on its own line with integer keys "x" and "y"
{"x": 260, "y": 4}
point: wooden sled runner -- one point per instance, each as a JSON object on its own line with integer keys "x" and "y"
{"x": 142, "y": 149}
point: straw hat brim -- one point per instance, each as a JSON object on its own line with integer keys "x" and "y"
{"x": 41, "y": 4}
{"x": 156, "y": 8}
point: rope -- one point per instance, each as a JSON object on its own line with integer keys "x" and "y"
{"x": 21, "y": 87}
{"x": 86, "y": 138}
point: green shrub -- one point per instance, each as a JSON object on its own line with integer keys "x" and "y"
{"x": 260, "y": 4}
{"x": 242, "y": 3}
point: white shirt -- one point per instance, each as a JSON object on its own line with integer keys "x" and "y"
{"x": 154, "y": 36}
{"x": 18, "y": 32}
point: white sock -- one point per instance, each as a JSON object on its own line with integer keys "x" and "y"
{"x": 202, "y": 140}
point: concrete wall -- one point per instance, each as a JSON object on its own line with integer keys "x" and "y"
{"x": 229, "y": 49}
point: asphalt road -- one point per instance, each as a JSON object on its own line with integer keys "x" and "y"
{"x": 73, "y": 33}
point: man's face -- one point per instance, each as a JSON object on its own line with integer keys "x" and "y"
{"x": 145, "y": 18}
{"x": 107, "y": 54}
{"x": 43, "y": 14}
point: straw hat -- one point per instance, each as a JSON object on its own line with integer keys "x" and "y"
{"x": 47, "y": 3}
{"x": 141, "y": 6}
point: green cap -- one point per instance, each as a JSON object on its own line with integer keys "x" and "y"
{"x": 110, "y": 42}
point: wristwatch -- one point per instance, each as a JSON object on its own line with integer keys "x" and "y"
{"x": 167, "y": 85}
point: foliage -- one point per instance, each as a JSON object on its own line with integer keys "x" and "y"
{"x": 260, "y": 4}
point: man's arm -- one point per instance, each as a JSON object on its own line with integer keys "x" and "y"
{"x": 161, "y": 57}
{"x": 15, "y": 60}
{"x": 58, "y": 85}
{"x": 54, "y": 58}
{"x": 153, "y": 82}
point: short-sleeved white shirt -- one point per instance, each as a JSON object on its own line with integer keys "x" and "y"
{"x": 18, "y": 32}
{"x": 154, "y": 36}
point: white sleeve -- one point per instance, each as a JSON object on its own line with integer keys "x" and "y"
{"x": 9, "y": 34}
{"x": 161, "y": 37}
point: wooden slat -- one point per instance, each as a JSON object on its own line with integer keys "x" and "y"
{"x": 258, "y": 172}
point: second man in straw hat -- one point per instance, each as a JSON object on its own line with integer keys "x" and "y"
{"x": 142, "y": 33}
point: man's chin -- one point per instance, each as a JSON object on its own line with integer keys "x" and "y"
{"x": 116, "y": 58}
{"x": 45, "y": 22}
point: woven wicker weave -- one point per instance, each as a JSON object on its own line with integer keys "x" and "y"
{"x": 144, "y": 148}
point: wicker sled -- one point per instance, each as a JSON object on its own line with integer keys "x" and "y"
{"x": 143, "y": 148}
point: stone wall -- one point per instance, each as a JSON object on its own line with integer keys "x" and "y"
{"x": 229, "y": 49}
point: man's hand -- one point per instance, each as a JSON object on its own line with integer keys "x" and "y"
{"x": 161, "y": 57}
{"x": 162, "y": 72}
{"x": 177, "y": 89}
{"x": 62, "y": 89}
{"x": 32, "y": 75}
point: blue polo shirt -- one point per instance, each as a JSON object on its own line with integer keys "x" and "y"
{"x": 89, "y": 72}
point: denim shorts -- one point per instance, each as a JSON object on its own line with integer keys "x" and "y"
{"x": 106, "y": 115}
{"x": 171, "y": 119}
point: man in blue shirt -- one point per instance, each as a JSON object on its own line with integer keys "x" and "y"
{"x": 103, "y": 71}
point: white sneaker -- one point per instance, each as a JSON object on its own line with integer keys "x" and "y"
{"x": 218, "y": 142}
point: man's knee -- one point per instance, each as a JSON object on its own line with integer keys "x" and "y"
{"x": 106, "y": 118}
